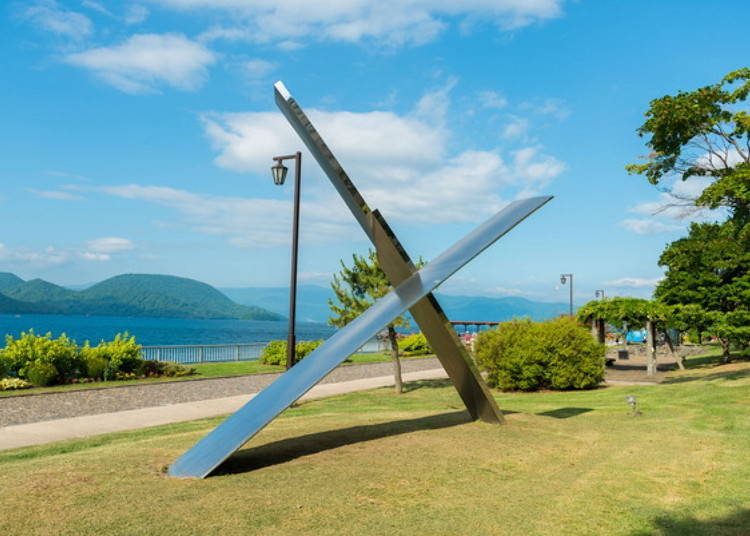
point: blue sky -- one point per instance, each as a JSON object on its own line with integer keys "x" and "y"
{"x": 137, "y": 136}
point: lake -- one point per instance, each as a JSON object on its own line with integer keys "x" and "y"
{"x": 159, "y": 331}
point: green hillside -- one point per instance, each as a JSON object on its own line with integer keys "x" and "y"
{"x": 8, "y": 279}
{"x": 130, "y": 295}
{"x": 11, "y": 306}
{"x": 39, "y": 291}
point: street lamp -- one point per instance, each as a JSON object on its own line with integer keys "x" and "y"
{"x": 564, "y": 279}
{"x": 599, "y": 294}
{"x": 279, "y": 170}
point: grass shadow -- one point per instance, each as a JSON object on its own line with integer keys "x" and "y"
{"x": 564, "y": 413}
{"x": 408, "y": 387}
{"x": 733, "y": 375}
{"x": 286, "y": 450}
{"x": 736, "y": 524}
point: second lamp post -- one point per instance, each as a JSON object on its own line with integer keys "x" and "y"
{"x": 279, "y": 171}
{"x": 563, "y": 279}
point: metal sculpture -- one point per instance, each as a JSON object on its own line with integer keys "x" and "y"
{"x": 412, "y": 291}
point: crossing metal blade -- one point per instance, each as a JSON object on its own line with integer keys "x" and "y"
{"x": 230, "y": 435}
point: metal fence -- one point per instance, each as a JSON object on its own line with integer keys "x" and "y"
{"x": 219, "y": 353}
{"x": 205, "y": 353}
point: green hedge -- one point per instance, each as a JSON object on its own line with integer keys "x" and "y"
{"x": 275, "y": 351}
{"x": 526, "y": 356}
{"x": 42, "y": 360}
{"x": 414, "y": 344}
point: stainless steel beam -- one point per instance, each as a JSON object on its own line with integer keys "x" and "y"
{"x": 230, "y": 435}
{"x": 397, "y": 265}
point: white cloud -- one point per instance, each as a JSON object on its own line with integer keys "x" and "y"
{"x": 145, "y": 61}
{"x": 50, "y": 16}
{"x": 48, "y": 256}
{"x": 517, "y": 128}
{"x": 110, "y": 244}
{"x": 92, "y": 256}
{"x": 135, "y": 14}
{"x": 56, "y": 194}
{"x": 390, "y": 22}
{"x": 552, "y": 107}
{"x": 673, "y": 210}
{"x": 633, "y": 282}
{"x": 243, "y": 222}
{"x": 96, "y": 6}
{"x": 492, "y": 99}
{"x": 387, "y": 153}
{"x": 257, "y": 68}
{"x": 648, "y": 226}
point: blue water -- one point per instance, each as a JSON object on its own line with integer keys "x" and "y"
{"x": 159, "y": 331}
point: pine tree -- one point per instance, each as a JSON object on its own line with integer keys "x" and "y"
{"x": 356, "y": 288}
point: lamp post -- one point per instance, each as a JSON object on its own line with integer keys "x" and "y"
{"x": 279, "y": 171}
{"x": 564, "y": 279}
{"x": 599, "y": 294}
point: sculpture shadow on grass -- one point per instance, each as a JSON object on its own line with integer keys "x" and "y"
{"x": 564, "y": 413}
{"x": 735, "y": 524}
{"x": 289, "y": 449}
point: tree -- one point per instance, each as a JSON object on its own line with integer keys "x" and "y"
{"x": 703, "y": 133}
{"x": 635, "y": 313}
{"x": 355, "y": 289}
{"x": 710, "y": 270}
{"x": 706, "y": 133}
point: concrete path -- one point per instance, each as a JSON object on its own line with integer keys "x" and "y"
{"x": 36, "y": 433}
{"x": 28, "y": 408}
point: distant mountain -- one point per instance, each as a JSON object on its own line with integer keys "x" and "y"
{"x": 9, "y": 280}
{"x": 312, "y": 300}
{"x": 131, "y": 295}
{"x": 312, "y": 304}
{"x": 485, "y": 309}
{"x": 39, "y": 291}
{"x": 11, "y": 306}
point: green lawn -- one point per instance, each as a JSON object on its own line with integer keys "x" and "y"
{"x": 204, "y": 370}
{"x": 378, "y": 463}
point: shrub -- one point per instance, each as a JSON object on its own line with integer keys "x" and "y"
{"x": 9, "y": 384}
{"x": 122, "y": 353}
{"x": 527, "y": 356}
{"x": 41, "y": 374}
{"x": 275, "y": 351}
{"x": 414, "y": 344}
{"x": 109, "y": 373}
{"x": 30, "y": 348}
{"x": 165, "y": 368}
{"x": 93, "y": 363}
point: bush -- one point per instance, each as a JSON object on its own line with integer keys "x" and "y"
{"x": 122, "y": 353}
{"x": 93, "y": 363}
{"x": 414, "y": 344}
{"x": 41, "y": 374}
{"x": 527, "y": 356}
{"x": 9, "y": 384}
{"x": 165, "y": 368}
{"x": 30, "y": 348}
{"x": 275, "y": 351}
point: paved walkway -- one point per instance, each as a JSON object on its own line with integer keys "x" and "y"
{"x": 23, "y": 435}
{"x": 37, "y": 419}
{"x": 64, "y": 404}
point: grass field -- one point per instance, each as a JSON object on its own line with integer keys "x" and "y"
{"x": 204, "y": 370}
{"x": 378, "y": 463}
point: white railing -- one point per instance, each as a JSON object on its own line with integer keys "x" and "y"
{"x": 205, "y": 353}
{"x": 219, "y": 353}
